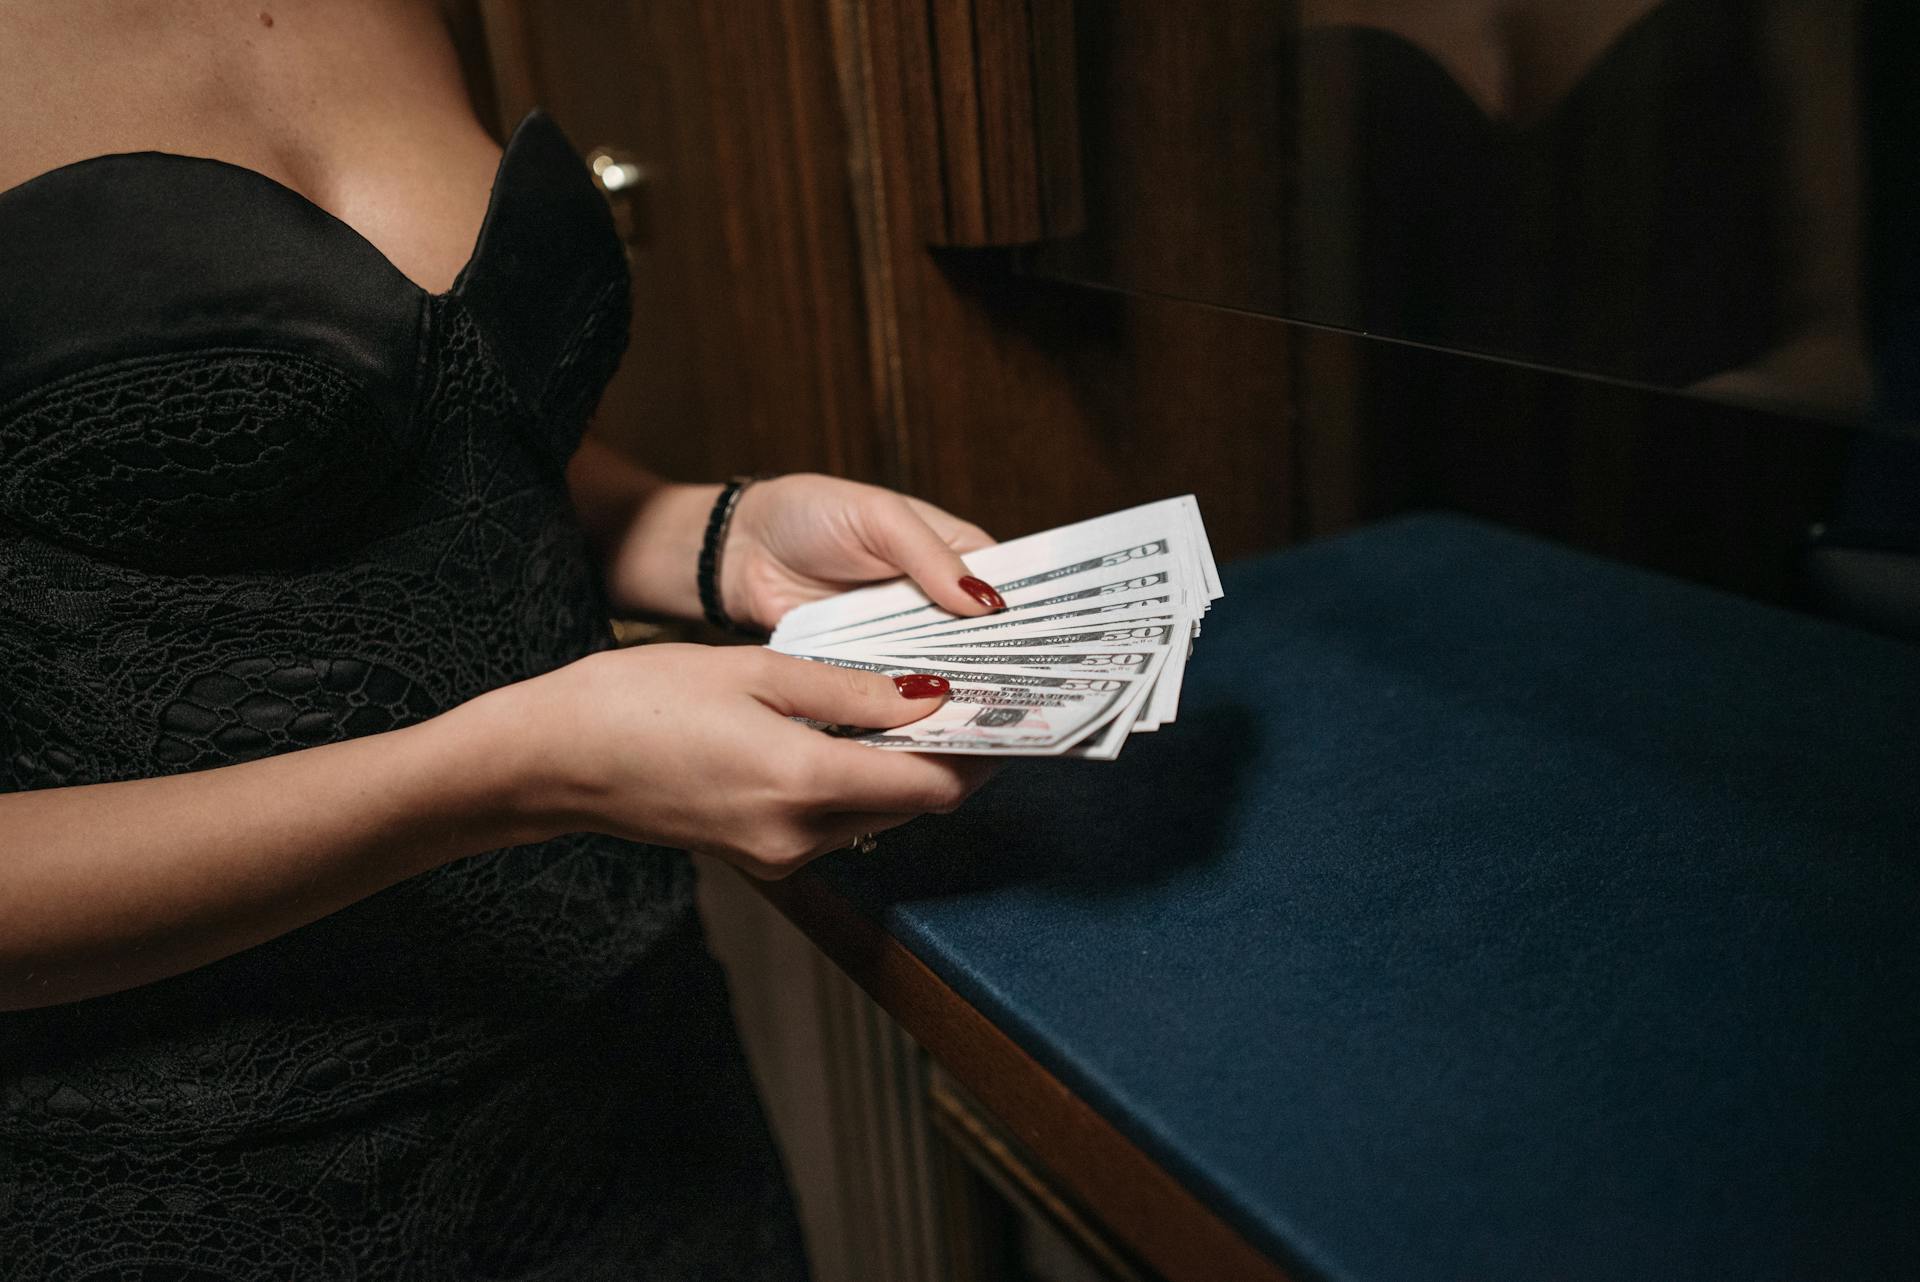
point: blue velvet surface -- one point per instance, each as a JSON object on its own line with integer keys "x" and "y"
{"x": 1491, "y": 911}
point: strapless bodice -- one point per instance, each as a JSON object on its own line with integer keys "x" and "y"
{"x": 202, "y": 369}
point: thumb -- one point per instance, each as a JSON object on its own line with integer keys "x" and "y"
{"x": 896, "y": 533}
{"x": 846, "y": 696}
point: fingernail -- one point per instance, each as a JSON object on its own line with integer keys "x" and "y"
{"x": 920, "y": 686}
{"x": 983, "y": 593}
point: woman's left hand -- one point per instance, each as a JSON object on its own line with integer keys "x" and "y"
{"x": 797, "y": 538}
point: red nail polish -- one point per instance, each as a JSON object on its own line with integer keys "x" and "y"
{"x": 983, "y": 593}
{"x": 920, "y": 686}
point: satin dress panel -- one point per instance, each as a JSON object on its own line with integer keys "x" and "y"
{"x": 259, "y": 491}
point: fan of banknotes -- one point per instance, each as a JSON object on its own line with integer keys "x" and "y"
{"x": 1091, "y": 648}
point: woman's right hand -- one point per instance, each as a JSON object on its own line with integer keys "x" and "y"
{"x": 693, "y": 747}
{"x": 104, "y": 886}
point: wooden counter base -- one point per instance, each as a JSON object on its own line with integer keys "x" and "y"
{"x": 1136, "y": 1201}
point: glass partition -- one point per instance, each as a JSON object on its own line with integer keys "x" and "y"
{"x": 1716, "y": 196}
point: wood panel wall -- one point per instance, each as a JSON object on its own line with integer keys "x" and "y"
{"x": 749, "y": 348}
{"x": 797, "y": 307}
{"x": 790, "y": 313}
{"x": 1025, "y": 405}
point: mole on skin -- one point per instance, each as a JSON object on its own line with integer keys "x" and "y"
{"x": 266, "y": 19}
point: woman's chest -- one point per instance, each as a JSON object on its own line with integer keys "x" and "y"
{"x": 202, "y": 369}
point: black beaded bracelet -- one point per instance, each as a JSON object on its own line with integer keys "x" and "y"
{"x": 708, "y": 578}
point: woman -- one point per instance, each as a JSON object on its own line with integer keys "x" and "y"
{"x": 341, "y": 930}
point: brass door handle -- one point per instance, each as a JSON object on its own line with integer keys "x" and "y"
{"x": 625, "y": 182}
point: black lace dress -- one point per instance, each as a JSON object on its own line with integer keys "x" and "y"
{"x": 260, "y": 491}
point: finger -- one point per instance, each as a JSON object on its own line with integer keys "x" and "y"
{"x": 844, "y": 696}
{"x": 961, "y": 536}
{"x": 897, "y": 533}
{"x": 856, "y": 777}
{"x": 964, "y": 538}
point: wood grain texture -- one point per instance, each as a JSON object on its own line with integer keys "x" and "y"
{"x": 1000, "y": 1160}
{"x": 1024, "y": 404}
{"x": 1717, "y": 494}
{"x": 990, "y": 93}
{"x": 1056, "y": 116}
{"x": 749, "y": 348}
{"x": 1143, "y": 1206}
{"x": 1186, "y": 121}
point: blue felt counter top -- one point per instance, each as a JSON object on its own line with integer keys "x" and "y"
{"x": 1491, "y": 912}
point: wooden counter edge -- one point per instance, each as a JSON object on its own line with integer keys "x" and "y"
{"x": 1134, "y": 1198}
